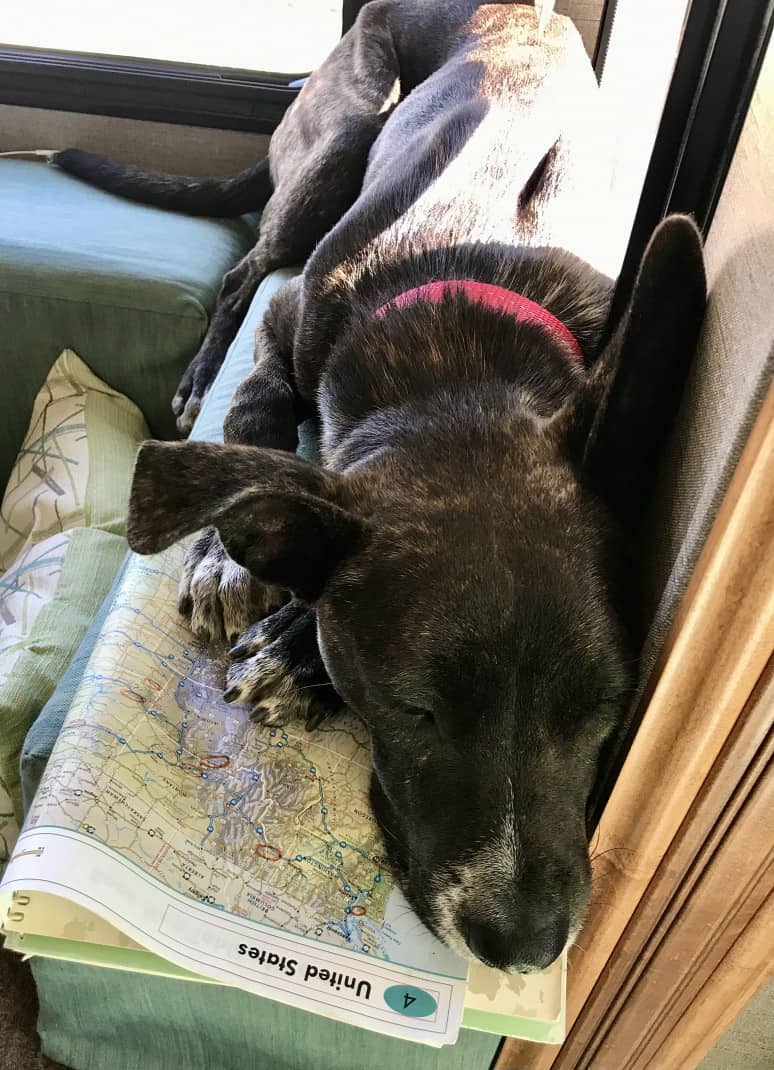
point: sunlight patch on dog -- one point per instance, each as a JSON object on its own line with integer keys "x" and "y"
{"x": 392, "y": 97}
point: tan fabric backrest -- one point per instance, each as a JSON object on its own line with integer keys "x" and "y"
{"x": 733, "y": 367}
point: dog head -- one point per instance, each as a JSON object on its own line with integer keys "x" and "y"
{"x": 468, "y": 605}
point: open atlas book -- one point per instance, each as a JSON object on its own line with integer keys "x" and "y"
{"x": 172, "y": 835}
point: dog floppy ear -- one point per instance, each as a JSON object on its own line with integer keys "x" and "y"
{"x": 640, "y": 377}
{"x": 277, "y": 515}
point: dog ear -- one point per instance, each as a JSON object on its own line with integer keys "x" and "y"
{"x": 636, "y": 387}
{"x": 277, "y": 515}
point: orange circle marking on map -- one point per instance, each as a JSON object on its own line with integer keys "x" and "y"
{"x": 358, "y": 911}
{"x": 214, "y": 761}
{"x": 151, "y": 684}
{"x": 267, "y": 852}
{"x": 133, "y": 695}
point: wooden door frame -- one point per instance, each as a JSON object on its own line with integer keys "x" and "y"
{"x": 684, "y": 877}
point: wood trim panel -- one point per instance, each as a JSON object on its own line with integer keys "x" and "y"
{"x": 717, "y": 651}
{"x": 663, "y": 909}
{"x": 729, "y": 882}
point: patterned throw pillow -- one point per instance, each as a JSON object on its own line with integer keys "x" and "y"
{"x": 61, "y": 542}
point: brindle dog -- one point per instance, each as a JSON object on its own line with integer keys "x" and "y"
{"x": 461, "y": 565}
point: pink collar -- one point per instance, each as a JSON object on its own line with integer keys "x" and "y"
{"x": 495, "y": 297}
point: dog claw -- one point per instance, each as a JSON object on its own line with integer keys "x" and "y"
{"x": 248, "y": 642}
{"x": 265, "y": 682}
{"x": 268, "y": 715}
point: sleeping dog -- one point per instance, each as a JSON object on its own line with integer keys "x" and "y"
{"x": 460, "y": 567}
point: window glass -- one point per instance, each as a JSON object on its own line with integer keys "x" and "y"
{"x": 265, "y": 35}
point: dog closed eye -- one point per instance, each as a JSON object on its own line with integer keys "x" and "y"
{"x": 419, "y": 713}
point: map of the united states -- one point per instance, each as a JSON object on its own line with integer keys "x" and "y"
{"x": 272, "y": 824}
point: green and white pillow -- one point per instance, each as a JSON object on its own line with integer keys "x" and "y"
{"x": 61, "y": 542}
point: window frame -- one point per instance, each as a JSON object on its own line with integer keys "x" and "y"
{"x": 150, "y": 90}
{"x": 720, "y": 55}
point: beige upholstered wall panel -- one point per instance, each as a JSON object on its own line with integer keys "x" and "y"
{"x": 740, "y": 258}
{"x": 749, "y": 1043}
{"x": 189, "y": 150}
{"x": 733, "y": 366}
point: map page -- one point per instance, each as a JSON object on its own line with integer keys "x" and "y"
{"x": 240, "y": 852}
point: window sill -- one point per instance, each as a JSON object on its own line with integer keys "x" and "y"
{"x": 150, "y": 90}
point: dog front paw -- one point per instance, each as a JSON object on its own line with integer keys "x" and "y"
{"x": 186, "y": 408}
{"x": 220, "y": 596}
{"x": 193, "y": 387}
{"x": 277, "y": 670}
{"x": 187, "y": 401}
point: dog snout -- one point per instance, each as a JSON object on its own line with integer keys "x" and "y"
{"x": 521, "y": 939}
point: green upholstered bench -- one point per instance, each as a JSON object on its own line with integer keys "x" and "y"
{"x": 128, "y": 288}
{"x": 99, "y": 1019}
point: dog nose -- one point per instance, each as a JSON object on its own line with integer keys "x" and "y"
{"x": 527, "y": 941}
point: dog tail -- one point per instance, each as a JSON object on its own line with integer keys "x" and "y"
{"x": 246, "y": 192}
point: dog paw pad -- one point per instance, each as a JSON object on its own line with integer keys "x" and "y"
{"x": 263, "y": 682}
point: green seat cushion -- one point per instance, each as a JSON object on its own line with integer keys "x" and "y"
{"x": 61, "y": 542}
{"x": 101, "y": 1019}
{"x": 239, "y": 360}
{"x": 97, "y": 1019}
{"x": 129, "y": 288}
{"x": 239, "y": 364}
{"x": 43, "y": 733}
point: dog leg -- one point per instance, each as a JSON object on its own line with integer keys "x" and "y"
{"x": 236, "y": 293}
{"x": 219, "y": 595}
{"x": 278, "y": 670}
{"x": 317, "y": 157}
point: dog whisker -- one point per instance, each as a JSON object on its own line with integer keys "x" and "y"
{"x": 610, "y": 850}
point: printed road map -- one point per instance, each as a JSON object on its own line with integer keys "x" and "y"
{"x": 271, "y": 824}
